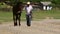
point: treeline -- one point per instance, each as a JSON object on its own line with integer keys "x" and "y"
{"x": 12, "y": 2}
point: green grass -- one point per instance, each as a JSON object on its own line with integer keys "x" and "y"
{"x": 5, "y": 16}
{"x": 37, "y": 15}
{"x": 44, "y": 14}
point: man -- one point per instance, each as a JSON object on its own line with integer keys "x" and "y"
{"x": 28, "y": 9}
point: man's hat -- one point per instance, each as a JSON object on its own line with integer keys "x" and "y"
{"x": 28, "y": 2}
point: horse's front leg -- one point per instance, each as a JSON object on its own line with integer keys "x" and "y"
{"x": 15, "y": 20}
{"x": 19, "y": 18}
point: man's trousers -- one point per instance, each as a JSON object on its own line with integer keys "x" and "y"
{"x": 28, "y": 18}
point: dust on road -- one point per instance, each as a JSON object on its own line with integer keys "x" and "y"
{"x": 45, "y": 26}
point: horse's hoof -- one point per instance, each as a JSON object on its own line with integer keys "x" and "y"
{"x": 19, "y": 24}
{"x": 15, "y": 25}
{"x": 28, "y": 25}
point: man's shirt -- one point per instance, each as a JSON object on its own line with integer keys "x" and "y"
{"x": 28, "y": 9}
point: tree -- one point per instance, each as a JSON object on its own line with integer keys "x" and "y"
{"x": 56, "y": 3}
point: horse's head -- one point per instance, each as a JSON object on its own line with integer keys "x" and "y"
{"x": 19, "y": 5}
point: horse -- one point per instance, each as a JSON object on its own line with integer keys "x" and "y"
{"x": 17, "y": 10}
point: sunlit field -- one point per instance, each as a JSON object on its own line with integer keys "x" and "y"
{"x": 37, "y": 15}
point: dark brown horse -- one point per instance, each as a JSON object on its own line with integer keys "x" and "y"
{"x": 17, "y": 10}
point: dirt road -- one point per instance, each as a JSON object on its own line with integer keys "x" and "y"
{"x": 46, "y": 26}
